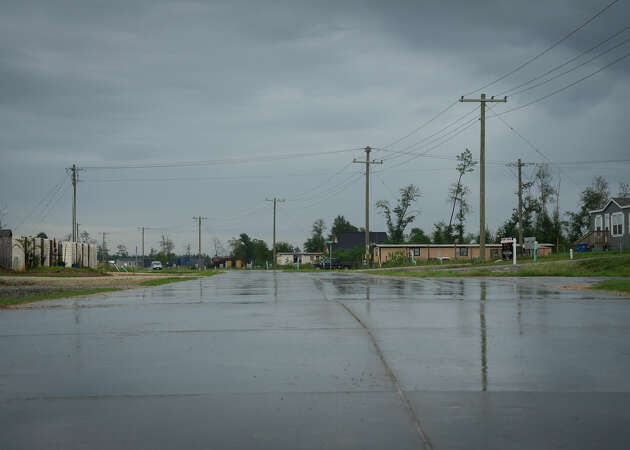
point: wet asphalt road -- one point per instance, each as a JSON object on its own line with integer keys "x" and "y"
{"x": 319, "y": 361}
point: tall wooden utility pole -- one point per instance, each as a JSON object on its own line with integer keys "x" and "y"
{"x": 199, "y": 219}
{"x": 520, "y": 164}
{"x": 74, "y": 202}
{"x": 367, "y": 163}
{"x": 273, "y": 248}
{"x": 482, "y": 169}
{"x": 520, "y": 205}
{"x": 142, "y": 245}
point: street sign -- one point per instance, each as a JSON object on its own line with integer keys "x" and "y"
{"x": 528, "y": 243}
{"x": 508, "y": 249}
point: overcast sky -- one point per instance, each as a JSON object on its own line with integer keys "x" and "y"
{"x": 113, "y": 83}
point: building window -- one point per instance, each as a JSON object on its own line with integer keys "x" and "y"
{"x": 416, "y": 251}
{"x": 617, "y": 224}
{"x": 598, "y": 223}
{"x": 494, "y": 252}
{"x": 606, "y": 221}
{"x": 462, "y": 251}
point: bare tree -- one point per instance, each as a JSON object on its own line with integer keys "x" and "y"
{"x": 624, "y": 190}
{"x": 398, "y": 218}
{"x": 457, "y": 191}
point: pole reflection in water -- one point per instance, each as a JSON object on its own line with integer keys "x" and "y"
{"x": 367, "y": 295}
{"x": 482, "y": 326}
{"x": 275, "y": 287}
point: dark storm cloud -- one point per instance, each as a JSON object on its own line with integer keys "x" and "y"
{"x": 115, "y": 81}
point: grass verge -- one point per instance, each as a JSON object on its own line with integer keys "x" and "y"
{"x": 55, "y": 271}
{"x": 611, "y": 266}
{"x": 613, "y": 285}
{"x": 62, "y": 294}
{"x": 167, "y": 280}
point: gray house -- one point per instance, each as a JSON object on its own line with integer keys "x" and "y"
{"x": 610, "y": 226}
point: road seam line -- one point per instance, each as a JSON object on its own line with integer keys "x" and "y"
{"x": 419, "y": 428}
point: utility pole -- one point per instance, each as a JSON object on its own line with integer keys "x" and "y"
{"x": 199, "y": 219}
{"x": 482, "y": 168}
{"x": 103, "y": 247}
{"x": 142, "y": 230}
{"x": 74, "y": 177}
{"x": 520, "y": 164}
{"x": 520, "y": 205}
{"x": 273, "y": 248}
{"x": 367, "y": 163}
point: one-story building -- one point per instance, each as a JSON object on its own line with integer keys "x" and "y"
{"x": 427, "y": 252}
{"x": 289, "y": 258}
{"x": 609, "y": 226}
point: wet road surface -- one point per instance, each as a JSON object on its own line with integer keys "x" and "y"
{"x": 309, "y": 361}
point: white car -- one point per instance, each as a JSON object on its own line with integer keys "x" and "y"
{"x": 156, "y": 265}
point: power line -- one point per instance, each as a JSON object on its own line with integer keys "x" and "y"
{"x": 555, "y": 77}
{"x": 211, "y": 162}
{"x": 415, "y": 130}
{"x": 557, "y": 91}
{"x": 567, "y": 62}
{"x": 547, "y": 50}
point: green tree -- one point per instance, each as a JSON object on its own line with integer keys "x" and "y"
{"x": 593, "y": 197}
{"x": 457, "y": 193}
{"x": 260, "y": 252}
{"x": 341, "y": 225}
{"x": 284, "y": 247}
{"x": 242, "y": 248}
{"x": 442, "y": 233}
{"x": 317, "y": 242}
{"x": 399, "y": 217}
{"x": 121, "y": 250}
{"x": 417, "y": 236}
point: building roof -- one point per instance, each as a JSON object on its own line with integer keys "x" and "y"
{"x": 622, "y": 202}
{"x": 6, "y": 233}
{"x": 351, "y": 239}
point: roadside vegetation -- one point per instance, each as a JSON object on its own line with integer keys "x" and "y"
{"x": 167, "y": 280}
{"x": 4, "y": 302}
{"x": 613, "y": 285}
{"x": 610, "y": 266}
{"x": 55, "y": 271}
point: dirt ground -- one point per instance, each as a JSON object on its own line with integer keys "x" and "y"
{"x": 22, "y": 286}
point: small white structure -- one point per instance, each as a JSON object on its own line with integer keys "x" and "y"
{"x": 14, "y": 252}
{"x": 288, "y": 259}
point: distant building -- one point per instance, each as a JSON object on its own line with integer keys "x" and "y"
{"x": 426, "y": 252}
{"x": 609, "y": 226}
{"x": 351, "y": 239}
{"x": 287, "y": 258}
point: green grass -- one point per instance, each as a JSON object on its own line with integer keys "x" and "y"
{"x": 181, "y": 270}
{"x": 63, "y": 294}
{"x": 55, "y": 271}
{"x": 613, "y": 285}
{"x": 167, "y": 280}
{"x": 610, "y": 266}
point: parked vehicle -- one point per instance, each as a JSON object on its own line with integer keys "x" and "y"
{"x": 156, "y": 265}
{"x": 332, "y": 263}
